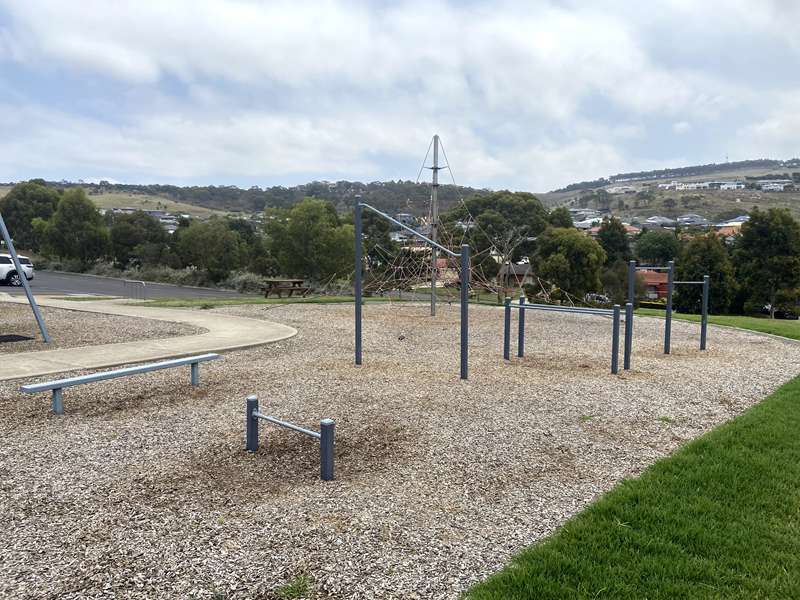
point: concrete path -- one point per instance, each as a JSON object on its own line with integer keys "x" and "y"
{"x": 225, "y": 332}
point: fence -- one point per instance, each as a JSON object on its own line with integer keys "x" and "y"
{"x": 325, "y": 435}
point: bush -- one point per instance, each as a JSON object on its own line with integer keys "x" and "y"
{"x": 243, "y": 282}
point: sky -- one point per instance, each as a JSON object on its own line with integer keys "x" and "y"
{"x": 529, "y": 95}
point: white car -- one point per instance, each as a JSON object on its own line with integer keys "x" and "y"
{"x": 9, "y": 275}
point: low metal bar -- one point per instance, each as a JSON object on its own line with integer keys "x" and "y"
{"x": 646, "y": 268}
{"x": 195, "y": 373}
{"x": 615, "y": 341}
{"x": 569, "y": 309}
{"x": 507, "y": 329}
{"x": 251, "y": 424}
{"x": 521, "y": 332}
{"x": 688, "y": 282}
{"x": 704, "y": 317}
{"x": 668, "y": 315}
{"x": 327, "y": 428}
{"x": 287, "y": 425}
{"x": 58, "y": 401}
{"x": 626, "y": 359}
{"x": 465, "y": 279}
{"x": 411, "y": 230}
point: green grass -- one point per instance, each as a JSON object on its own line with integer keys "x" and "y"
{"x": 718, "y": 519}
{"x": 150, "y": 202}
{"x": 85, "y": 298}
{"x": 298, "y": 587}
{"x": 782, "y": 327}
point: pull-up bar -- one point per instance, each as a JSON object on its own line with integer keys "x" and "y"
{"x": 465, "y": 279}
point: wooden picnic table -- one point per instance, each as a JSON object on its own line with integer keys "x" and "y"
{"x": 291, "y": 286}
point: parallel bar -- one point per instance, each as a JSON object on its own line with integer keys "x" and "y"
{"x": 465, "y": 279}
{"x": 646, "y": 268}
{"x": 251, "y": 424}
{"x": 358, "y": 282}
{"x": 507, "y": 329}
{"x": 195, "y": 373}
{"x": 24, "y": 279}
{"x": 668, "y": 316}
{"x": 62, "y": 383}
{"x": 327, "y": 428}
{"x": 58, "y": 401}
{"x": 626, "y": 360}
{"x": 704, "y": 318}
{"x": 287, "y": 425}
{"x": 411, "y": 230}
{"x": 615, "y": 341}
{"x": 521, "y": 332}
{"x": 688, "y": 282}
{"x": 569, "y": 309}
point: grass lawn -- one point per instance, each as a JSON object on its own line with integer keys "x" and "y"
{"x": 718, "y": 519}
{"x": 213, "y": 302}
{"x": 150, "y": 202}
{"x": 782, "y": 327}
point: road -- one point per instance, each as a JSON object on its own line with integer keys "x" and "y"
{"x": 52, "y": 283}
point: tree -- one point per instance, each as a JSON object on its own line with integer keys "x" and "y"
{"x": 570, "y": 260}
{"x": 24, "y": 203}
{"x": 560, "y": 217}
{"x": 137, "y": 236}
{"x": 76, "y": 229}
{"x": 310, "y": 241}
{"x": 705, "y": 255}
{"x": 768, "y": 256}
{"x": 614, "y": 240}
{"x": 657, "y": 247}
{"x": 213, "y": 246}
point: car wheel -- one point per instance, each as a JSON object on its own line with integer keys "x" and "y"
{"x": 14, "y": 279}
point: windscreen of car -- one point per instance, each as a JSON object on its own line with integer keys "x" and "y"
{"x": 4, "y": 260}
{"x": 24, "y": 261}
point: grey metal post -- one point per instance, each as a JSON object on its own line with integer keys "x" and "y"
{"x": 18, "y": 267}
{"x": 195, "y": 373}
{"x": 358, "y": 282}
{"x": 507, "y": 329}
{"x": 632, "y": 281}
{"x": 434, "y": 221}
{"x": 615, "y": 341}
{"x": 704, "y": 317}
{"x": 521, "y": 332}
{"x": 326, "y": 430}
{"x": 58, "y": 402}
{"x": 668, "y": 317}
{"x": 465, "y": 280}
{"x": 626, "y": 360}
{"x": 251, "y": 424}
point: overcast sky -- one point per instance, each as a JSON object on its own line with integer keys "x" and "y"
{"x": 525, "y": 95}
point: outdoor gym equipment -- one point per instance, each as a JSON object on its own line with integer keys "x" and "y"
{"x": 325, "y": 436}
{"x": 31, "y": 300}
{"x": 671, "y": 283}
{"x": 465, "y": 279}
{"x": 614, "y": 313}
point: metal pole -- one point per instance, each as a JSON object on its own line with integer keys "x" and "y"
{"x": 358, "y": 282}
{"x": 326, "y": 430}
{"x": 465, "y": 279}
{"x": 704, "y": 317}
{"x": 615, "y": 341}
{"x": 251, "y": 424}
{"x": 58, "y": 402}
{"x": 632, "y": 281}
{"x": 24, "y": 280}
{"x": 521, "y": 333}
{"x": 668, "y": 319}
{"x": 195, "y": 373}
{"x": 507, "y": 330}
{"x": 626, "y": 359}
{"x": 434, "y": 221}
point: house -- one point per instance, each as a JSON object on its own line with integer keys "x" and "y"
{"x": 692, "y": 220}
{"x": 513, "y": 276}
{"x": 655, "y": 284}
{"x": 659, "y": 221}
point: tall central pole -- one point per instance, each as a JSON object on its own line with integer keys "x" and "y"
{"x": 434, "y": 221}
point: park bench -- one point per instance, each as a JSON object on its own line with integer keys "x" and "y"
{"x": 59, "y": 384}
{"x": 290, "y": 286}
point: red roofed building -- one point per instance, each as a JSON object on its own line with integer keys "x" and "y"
{"x": 655, "y": 283}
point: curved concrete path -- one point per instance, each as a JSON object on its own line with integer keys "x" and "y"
{"x": 224, "y": 332}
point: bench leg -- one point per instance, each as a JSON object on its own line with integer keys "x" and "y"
{"x": 58, "y": 402}
{"x": 195, "y": 373}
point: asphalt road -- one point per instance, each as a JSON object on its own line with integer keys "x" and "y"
{"x": 51, "y": 283}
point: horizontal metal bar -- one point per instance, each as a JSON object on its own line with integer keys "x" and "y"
{"x": 62, "y": 383}
{"x": 411, "y": 230}
{"x": 566, "y": 309}
{"x": 291, "y": 426}
{"x": 689, "y": 282}
{"x": 643, "y": 268}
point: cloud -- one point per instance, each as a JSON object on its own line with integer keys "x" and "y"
{"x": 525, "y": 94}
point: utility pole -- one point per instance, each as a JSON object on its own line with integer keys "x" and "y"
{"x": 434, "y": 221}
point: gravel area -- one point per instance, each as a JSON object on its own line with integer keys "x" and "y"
{"x": 70, "y": 329}
{"x": 143, "y": 489}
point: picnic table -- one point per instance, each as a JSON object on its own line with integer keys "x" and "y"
{"x": 291, "y": 286}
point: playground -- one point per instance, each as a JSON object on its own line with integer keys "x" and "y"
{"x": 143, "y": 488}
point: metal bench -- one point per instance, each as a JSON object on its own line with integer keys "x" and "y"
{"x": 57, "y": 385}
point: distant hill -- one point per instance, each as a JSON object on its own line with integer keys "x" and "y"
{"x": 730, "y": 168}
{"x": 391, "y": 196}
